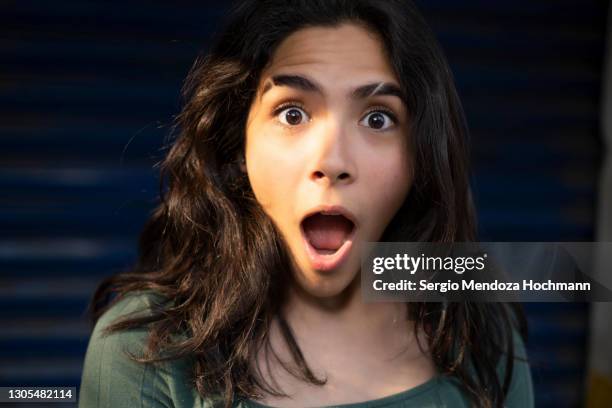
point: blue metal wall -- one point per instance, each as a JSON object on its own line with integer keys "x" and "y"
{"x": 529, "y": 74}
{"x": 87, "y": 94}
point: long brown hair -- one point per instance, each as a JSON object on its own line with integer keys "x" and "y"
{"x": 212, "y": 252}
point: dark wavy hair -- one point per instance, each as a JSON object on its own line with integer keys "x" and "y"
{"x": 210, "y": 249}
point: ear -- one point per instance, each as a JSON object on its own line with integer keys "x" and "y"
{"x": 242, "y": 163}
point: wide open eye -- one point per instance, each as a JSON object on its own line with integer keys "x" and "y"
{"x": 378, "y": 120}
{"x": 292, "y": 115}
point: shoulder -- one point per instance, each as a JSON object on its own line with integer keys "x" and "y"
{"x": 520, "y": 393}
{"x": 112, "y": 379}
{"x": 133, "y": 304}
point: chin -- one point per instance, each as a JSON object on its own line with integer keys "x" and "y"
{"x": 326, "y": 285}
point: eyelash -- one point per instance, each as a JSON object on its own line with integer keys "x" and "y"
{"x": 384, "y": 110}
{"x": 285, "y": 105}
{"x": 295, "y": 104}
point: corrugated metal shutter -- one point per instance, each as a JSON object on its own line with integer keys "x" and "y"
{"x": 529, "y": 76}
{"x": 87, "y": 93}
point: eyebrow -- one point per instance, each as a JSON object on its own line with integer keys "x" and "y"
{"x": 304, "y": 84}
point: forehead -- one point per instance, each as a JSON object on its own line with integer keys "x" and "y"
{"x": 345, "y": 54}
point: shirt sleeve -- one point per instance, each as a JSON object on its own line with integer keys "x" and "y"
{"x": 520, "y": 393}
{"x": 110, "y": 379}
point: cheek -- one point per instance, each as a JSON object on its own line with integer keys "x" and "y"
{"x": 269, "y": 171}
{"x": 260, "y": 170}
{"x": 391, "y": 179}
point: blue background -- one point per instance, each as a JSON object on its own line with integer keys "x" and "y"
{"x": 88, "y": 90}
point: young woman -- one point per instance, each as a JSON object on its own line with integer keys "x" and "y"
{"x": 311, "y": 127}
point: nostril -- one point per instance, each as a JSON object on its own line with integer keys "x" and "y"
{"x": 319, "y": 174}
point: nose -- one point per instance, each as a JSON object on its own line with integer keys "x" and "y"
{"x": 333, "y": 157}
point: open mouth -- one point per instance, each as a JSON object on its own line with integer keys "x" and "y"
{"x": 328, "y": 237}
{"x": 326, "y": 233}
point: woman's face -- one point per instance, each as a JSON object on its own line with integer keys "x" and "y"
{"x": 326, "y": 150}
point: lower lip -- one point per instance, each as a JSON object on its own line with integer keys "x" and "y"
{"x": 328, "y": 262}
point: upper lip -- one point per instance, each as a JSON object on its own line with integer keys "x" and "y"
{"x": 332, "y": 209}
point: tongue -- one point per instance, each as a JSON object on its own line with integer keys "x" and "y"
{"x": 327, "y": 232}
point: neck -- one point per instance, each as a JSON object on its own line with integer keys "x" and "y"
{"x": 362, "y": 350}
{"x": 345, "y": 315}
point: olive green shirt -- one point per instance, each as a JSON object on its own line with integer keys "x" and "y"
{"x": 111, "y": 380}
